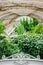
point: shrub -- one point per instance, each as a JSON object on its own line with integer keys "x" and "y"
{"x": 10, "y": 49}
{"x": 6, "y": 47}
{"x": 23, "y": 43}
{"x": 28, "y": 44}
{"x": 40, "y": 47}
{"x": 2, "y": 28}
{"x": 1, "y": 50}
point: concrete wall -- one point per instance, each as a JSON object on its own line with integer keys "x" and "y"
{"x": 21, "y": 62}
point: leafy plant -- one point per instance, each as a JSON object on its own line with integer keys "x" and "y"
{"x": 25, "y": 23}
{"x": 39, "y": 29}
{"x": 19, "y": 29}
{"x": 29, "y": 25}
{"x": 34, "y": 21}
{"x": 2, "y": 27}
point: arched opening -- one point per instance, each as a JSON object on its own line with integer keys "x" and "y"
{"x": 16, "y": 22}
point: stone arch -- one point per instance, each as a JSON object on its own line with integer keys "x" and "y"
{"x": 10, "y": 10}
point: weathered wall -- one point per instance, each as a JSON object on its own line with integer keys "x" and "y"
{"x": 11, "y": 9}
